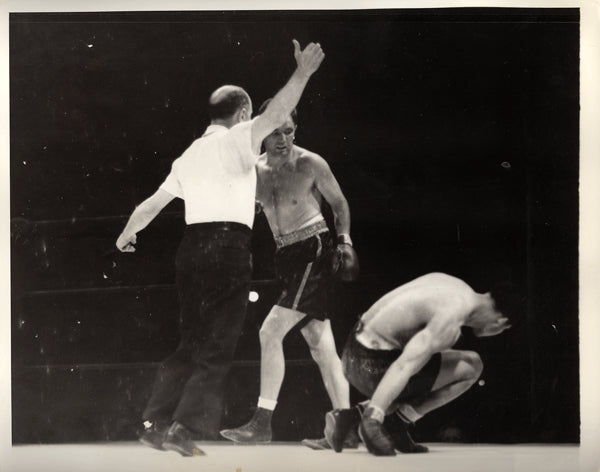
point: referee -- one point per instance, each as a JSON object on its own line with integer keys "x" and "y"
{"x": 216, "y": 179}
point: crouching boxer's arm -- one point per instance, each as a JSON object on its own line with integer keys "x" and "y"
{"x": 415, "y": 355}
{"x": 141, "y": 217}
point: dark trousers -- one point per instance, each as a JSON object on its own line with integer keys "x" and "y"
{"x": 213, "y": 270}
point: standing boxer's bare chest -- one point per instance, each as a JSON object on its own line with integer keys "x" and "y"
{"x": 288, "y": 184}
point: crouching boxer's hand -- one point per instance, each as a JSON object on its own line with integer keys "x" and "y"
{"x": 345, "y": 260}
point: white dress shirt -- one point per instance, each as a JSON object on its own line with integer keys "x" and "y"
{"x": 215, "y": 176}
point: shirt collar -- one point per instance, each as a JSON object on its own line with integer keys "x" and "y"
{"x": 213, "y": 129}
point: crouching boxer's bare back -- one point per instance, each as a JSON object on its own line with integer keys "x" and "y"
{"x": 399, "y": 355}
{"x": 291, "y": 183}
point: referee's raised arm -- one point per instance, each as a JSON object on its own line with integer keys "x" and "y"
{"x": 307, "y": 63}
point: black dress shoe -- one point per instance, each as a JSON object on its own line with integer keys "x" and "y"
{"x": 179, "y": 439}
{"x": 154, "y": 434}
{"x": 340, "y": 428}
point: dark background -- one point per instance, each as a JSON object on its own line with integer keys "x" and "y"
{"x": 453, "y": 133}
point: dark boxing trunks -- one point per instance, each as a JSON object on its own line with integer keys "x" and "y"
{"x": 303, "y": 267}
{"x": 364, "y": 368}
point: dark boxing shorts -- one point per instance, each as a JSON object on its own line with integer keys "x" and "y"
{"x": 364, "y": 368}
{"x": 303, "y": 268}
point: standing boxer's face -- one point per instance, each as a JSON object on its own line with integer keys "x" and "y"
{"x": 280, "y": 142}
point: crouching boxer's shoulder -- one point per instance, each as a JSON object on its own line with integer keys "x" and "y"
{"x": 444, "y": 280}
{"x": 438, "y": 276}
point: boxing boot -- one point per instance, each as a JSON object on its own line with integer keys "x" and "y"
{"x": 397, "y": 428}
{"x": 179, "y": 439}
{"x": 351, "y": 442}
{"x": 375, "y": 436}
{"x": 256, "y": 431}
{"x": 339, "y": 425}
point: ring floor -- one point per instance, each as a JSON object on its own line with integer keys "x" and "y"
{"x": 293, "y": 457}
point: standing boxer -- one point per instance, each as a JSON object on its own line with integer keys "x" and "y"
{"x": 216, "y": 178}
{"x": 399, "y": 355}
{"x": 290, "y": 187}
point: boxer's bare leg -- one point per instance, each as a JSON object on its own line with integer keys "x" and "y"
{"x": 319, "y": 337}
{"x": 459, "y": 370}
{"x": 276, "y": 325}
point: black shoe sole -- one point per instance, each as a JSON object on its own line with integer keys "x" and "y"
{"x": 314, "y": 445}
{"x": 153, "y": 445}
{"x": 237, "y": 441}
{"x": 412, "y": 449}
{"x": 185, "y": 452}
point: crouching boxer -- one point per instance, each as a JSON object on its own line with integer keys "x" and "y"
{"x": 399, "y": 355}
{"x": 291, "y": 183}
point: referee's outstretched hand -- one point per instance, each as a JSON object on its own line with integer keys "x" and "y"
{"x": 309, "y": 59}
{"x": 126, "y": 243}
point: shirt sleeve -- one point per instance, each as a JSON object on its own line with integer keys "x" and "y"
{"x": 238, "y": 143}
{"x": 171, "y": 183}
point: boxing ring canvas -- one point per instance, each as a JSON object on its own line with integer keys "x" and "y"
{"x": 455, "y": 136}
{"x": 444, "y": 457}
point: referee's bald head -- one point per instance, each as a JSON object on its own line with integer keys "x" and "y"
{"x": 226, "y": 101}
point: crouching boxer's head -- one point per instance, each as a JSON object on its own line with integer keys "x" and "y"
{"x": 497, "y": 310}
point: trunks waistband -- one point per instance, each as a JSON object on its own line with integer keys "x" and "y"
{"x": 218, "y": 226}
{"x": 367, "y": 351}
{"x": 301, "y": 234}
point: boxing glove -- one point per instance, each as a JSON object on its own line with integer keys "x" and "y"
{"x": 345, "y": 260}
